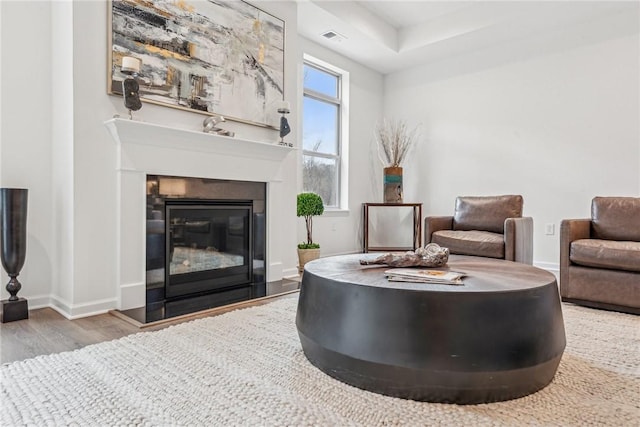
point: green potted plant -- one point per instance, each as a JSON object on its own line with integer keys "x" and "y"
{"x": 308, "y": 206}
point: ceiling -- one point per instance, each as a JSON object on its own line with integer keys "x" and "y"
{"x": 388, "y": 36}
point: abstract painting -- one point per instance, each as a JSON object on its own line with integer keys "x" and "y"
{"x": 211, "y": 56}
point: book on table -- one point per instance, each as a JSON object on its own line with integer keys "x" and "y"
{"x": 421, "y": 275}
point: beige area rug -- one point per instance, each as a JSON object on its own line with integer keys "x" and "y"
{"x": 246, "y": 367}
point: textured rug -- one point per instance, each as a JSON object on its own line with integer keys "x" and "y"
{"x": 246, "y": 367}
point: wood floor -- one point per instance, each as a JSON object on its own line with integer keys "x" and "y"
{"x": 47, "y": 331}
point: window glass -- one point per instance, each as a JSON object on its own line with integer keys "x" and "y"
{"x": 320, "y": 176}
{"x": 320, "y": 81}
{"x": 320, "y": 126}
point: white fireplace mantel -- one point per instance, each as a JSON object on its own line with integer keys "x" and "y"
{"x": 134, "y": 132}
{"x": 150, "y": 149}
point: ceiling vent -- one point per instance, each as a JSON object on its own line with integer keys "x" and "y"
{"x": 333, "y": 36}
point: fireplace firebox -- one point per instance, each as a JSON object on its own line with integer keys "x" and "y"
{"x": 205, "y": 243}
{"x": 208, "y": 246}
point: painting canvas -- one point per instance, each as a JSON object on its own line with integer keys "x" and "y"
{"x": 210, "y": 56}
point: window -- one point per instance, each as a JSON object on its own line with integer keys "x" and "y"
{"x": 324, "y": 138}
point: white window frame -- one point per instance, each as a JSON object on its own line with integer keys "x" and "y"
{"x": 343, "y": 129}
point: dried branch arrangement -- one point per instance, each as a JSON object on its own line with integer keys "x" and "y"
{"x": 394, "y": 141}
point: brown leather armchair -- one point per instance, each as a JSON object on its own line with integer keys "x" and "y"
{"x": 600, "y": 256}
{"x": 487, "y": 226}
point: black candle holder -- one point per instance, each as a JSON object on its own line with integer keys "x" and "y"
{"x": 13, "y": 249}
{"x": 130, "y": 86}
{"x": 285, "y": 129}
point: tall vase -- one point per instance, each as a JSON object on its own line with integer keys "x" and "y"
{"x": 13, "y": 249}
{"x": 393, "y": 184}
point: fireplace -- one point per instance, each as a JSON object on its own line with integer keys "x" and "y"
{"x": 146, "y": 149}
{"x": 204, "y": 244}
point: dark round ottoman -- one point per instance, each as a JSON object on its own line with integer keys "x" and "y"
{"x": 497, "y": 337}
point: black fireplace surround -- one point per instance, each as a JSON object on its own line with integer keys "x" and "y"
{"x": 205, "y": 244}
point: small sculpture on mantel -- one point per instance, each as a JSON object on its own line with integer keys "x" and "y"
{"x": 210, "y": 126}
{"x": 432, "y": 255}
{"x": 284, "y": 108}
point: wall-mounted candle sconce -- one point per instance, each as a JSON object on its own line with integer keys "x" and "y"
{"x": 130, "y": 86}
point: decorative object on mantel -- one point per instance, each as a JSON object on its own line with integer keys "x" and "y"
{"x": 130, "y": 86}
{"x": 13, "y": 249}
{"x": 209, "y": 126}
{"x": 308, "y": 206}
{"x": 395, "y": 140}
{"x": 223, "y": 57}
{"x": 432, "y": 255}
{"x": 285, "y": 129}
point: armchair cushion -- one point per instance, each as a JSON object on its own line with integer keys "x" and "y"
{"x": 486, "y": 213}
{"x": 616, "y": 218}
{"x": 436, "y": 223}
{"x": 617, "y": 255}
{"x": 477, "y": 243}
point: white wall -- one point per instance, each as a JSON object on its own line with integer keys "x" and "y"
{"x": 558, "y": 128}
{"x": 341, "y": 232}
{"x": 62, "y": 141}
{"x": 25, "y": 149}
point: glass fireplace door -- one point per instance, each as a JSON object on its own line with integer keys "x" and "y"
{"x": 208, "y": 246}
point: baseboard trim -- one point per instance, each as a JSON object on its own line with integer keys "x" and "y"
{"x": 132, "y": 295}
{"x": 293, "y": 274}
{"x": 275, "y": 271}
{"x": 38, "y": 301}
{"x": 93, "y": 308}
{"x": 344, "y": 253}
{"x": 551, "y": 267}
{"x": 79, "y": 311}
{"x": 290, "y": 273}
{"x": 61, "y": 306}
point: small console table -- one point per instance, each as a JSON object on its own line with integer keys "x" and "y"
{"x": 417, "y": 226}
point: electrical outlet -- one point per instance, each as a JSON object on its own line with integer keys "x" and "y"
{"x": 550, "y": 229}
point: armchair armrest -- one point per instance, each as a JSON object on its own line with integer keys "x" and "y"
{"x": 570, "y": 230}
{"x": 436, "y": 223}
{"x": 518, "y": 239}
